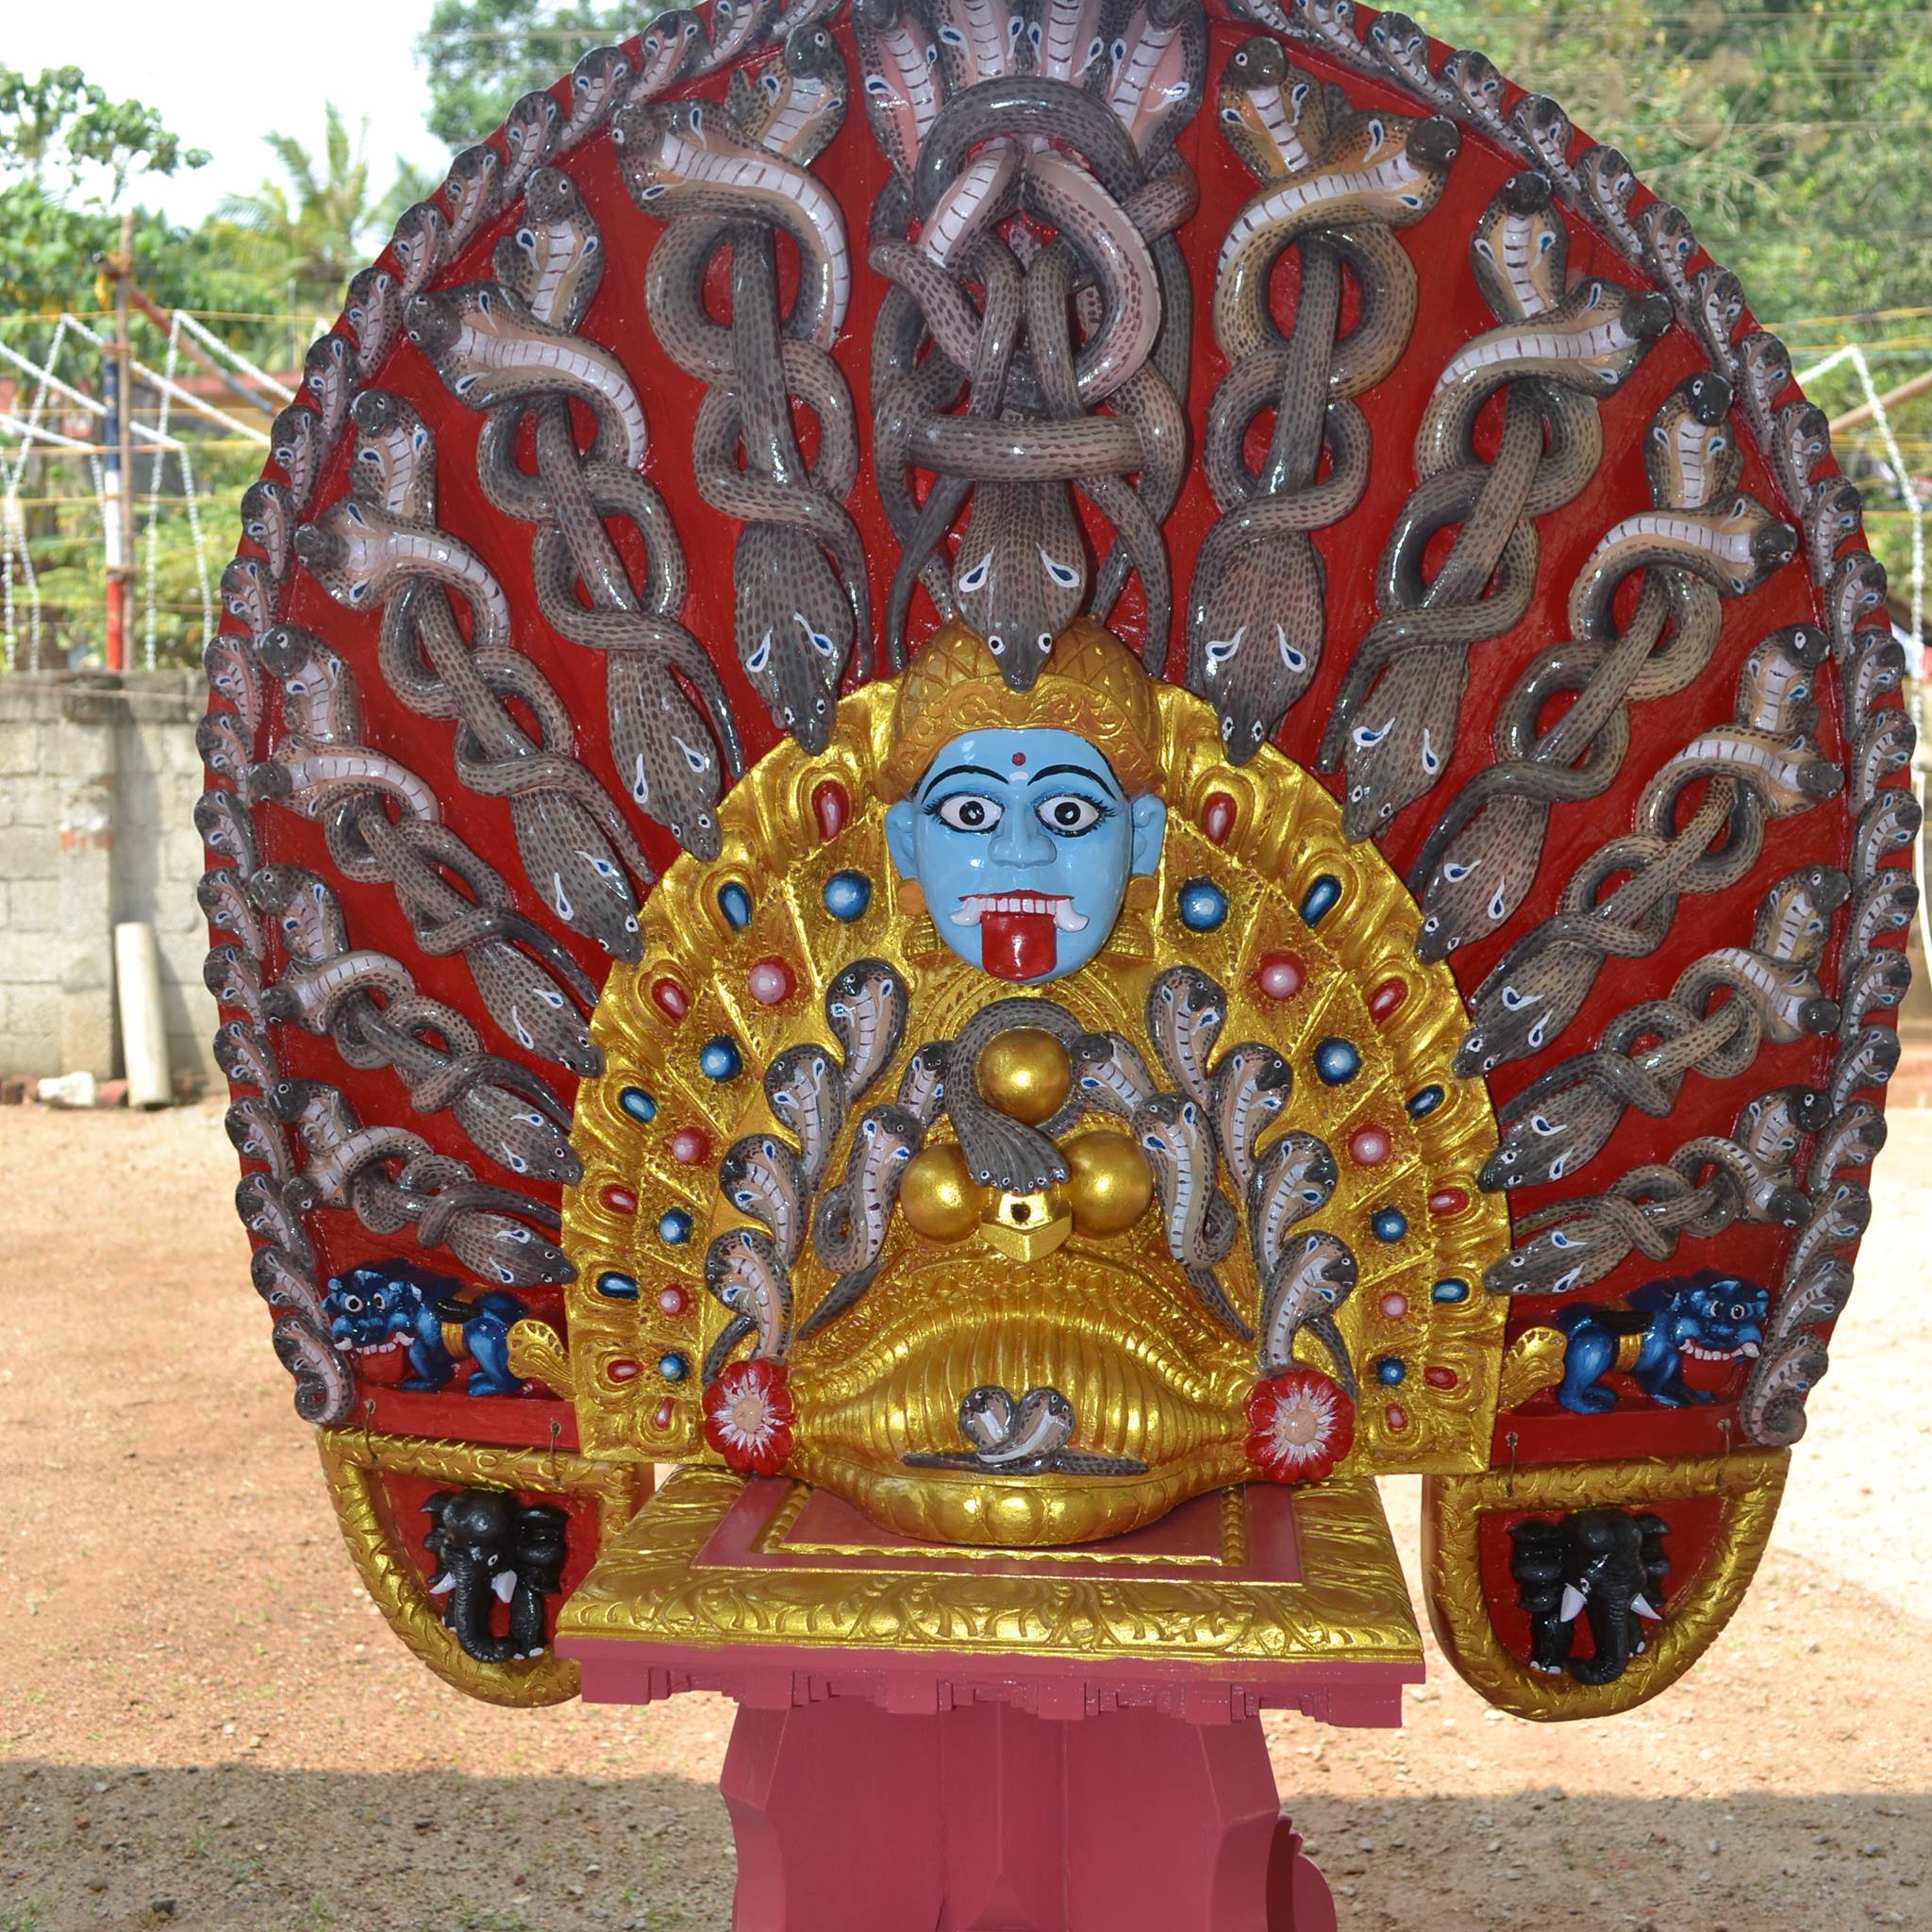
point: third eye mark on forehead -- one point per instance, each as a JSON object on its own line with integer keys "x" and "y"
{"x": 1102, "y": 776}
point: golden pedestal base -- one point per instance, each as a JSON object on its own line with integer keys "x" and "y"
{"x": 1264, "y": 1590}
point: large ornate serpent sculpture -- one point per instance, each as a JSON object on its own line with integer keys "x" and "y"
{"x": 1035, "y": 340}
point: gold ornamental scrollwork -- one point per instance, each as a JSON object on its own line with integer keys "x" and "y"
{"x": 353, "y": 1464}
{"x": 1697, "y": 1606}
{"x": 1424, "y": 1338}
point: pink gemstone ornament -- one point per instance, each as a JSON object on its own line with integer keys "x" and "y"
{"x": 770, "y": 982}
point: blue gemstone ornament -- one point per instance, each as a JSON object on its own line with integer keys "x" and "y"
{"x": 734, "y": 902}
{"x": 719, "y": 1059}
{"x": 673, "y": 1226}
{"x": 618, "y": 1288}
{"x": 847, "y": 894}
{"x": 1389, "y": 1223}
{"x": 1202, "y": 904}
{"x": 638, "y": 1103}
{"x": 1320, "y": 899}
{"x": 1336, "y": 1063}
{"x": 1426, "y": 1101}
{"x": 1450, "y": 1289}
{"x": 1389, "y": 1371}
{"x": 672, "y": 1366}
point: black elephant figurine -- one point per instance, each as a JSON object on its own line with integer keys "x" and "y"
{"x": 491, "y": 1548}
{"x": 1607, "y": 1565}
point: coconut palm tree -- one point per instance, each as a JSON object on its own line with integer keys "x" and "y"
{"x": 313, "y": 229}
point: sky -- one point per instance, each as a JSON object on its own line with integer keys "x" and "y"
{"x": 224, "y": 73}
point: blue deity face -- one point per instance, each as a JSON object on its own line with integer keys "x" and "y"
{"x": 1022, "y": 843}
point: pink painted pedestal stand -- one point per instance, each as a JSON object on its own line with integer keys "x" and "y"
{"x": 926, "y": 1784}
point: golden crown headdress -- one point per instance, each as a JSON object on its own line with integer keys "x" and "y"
{"x": 1091, "y": 685}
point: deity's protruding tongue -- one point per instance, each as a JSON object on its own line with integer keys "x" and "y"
{"x": 1018, "y": 945}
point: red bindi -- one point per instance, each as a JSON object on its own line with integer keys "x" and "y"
{"x": 1019, "y": 758}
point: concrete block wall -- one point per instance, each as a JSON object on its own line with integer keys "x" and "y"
{"x": 98, "y": 779}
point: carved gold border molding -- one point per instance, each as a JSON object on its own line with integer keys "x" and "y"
{"x": 352, "y": 1463}
{"x": 1349, "y": 1606}
{"x": 1697, "y": 1606}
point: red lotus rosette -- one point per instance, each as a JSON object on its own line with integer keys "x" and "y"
{"x": 1300, "y": 1423}
{"x": 748, "y": 1417}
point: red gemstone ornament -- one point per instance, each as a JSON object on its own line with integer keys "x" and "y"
{"x": 1396, "y": 1416}
{"x": 831, "y": 808}
{"x": 770, "y": 982}
{"x": 1386, "y": 998}
{"x": 1445, "y": 1201}
{"x": 671, "y": 1299}
{"x": 1300, "y": 1424}
{"x": 1394, "y": 1306}
{"x": 1280, "y": 975}
{"x": 689, "y": 1145}
{"x": 1217, "y": 818}
{"x": 1439, "y": 1378}
{"x": 662, "y": 1416}
{"x": 670, "y": 998}
{"x": 624, "y": 1370}
{"x": 618, "y": 1199}
{"x": 748, "y": 1417}
{"x": 1370, "y": 1147}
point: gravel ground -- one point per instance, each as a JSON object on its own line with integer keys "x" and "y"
{"x": 203, "y": 1723}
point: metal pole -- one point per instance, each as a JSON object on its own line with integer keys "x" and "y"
{"x": 120, "y": 439}
{"x": 1865, "y": 411}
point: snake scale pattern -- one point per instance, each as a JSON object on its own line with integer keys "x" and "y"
{"x": 1030, "y": 442}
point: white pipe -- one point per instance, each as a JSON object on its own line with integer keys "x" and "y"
{"x": 143, "y": 1032}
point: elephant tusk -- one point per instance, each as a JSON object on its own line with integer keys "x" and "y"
{"x": 1642, "y": 1606}
{"x": 442, "y": 1583}
{"x": 504, "y": 1583}
{"x": 1572, "y": 1602}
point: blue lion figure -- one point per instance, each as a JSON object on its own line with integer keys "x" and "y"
{"x": 1709, "y": 1317}
{"x": 385, "y": 1306}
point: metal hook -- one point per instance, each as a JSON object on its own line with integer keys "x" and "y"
{"x": 1510, "y": 1481}
{"x": 369, "y": 1440}
{"x": 1724, "y": 1454}
{"x": 556, "y": 1474}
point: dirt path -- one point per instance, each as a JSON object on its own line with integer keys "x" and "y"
{"x": 204, "y": 1724}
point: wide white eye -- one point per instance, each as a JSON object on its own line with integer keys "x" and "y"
{"x": 967, "y": 812}
{"x": 1067, "y": 813}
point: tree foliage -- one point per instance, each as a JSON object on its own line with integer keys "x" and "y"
{"x": 1788, "y": 130}
{"x": 317, "y": 226}
{"x": 56, "y": 129}
{"x": 70, "y": 158}
{"x": 68, "y": 155}
{"x": 480, "y": 54}
{"x": 1791, "y": 132}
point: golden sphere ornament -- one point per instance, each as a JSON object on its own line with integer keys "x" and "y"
{"x": 940, "y": 1198}
{"x": 1025, "y": 1074}
{"x": 1109, "y": 1184}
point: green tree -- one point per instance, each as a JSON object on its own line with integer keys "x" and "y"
{"x": 68, "y": 156}
{"x": 481, "y": 55}
{"x": 318, "y": 227}
{"x": 56, "y": 129}
{"x": 71, "y": 157}
{"x": 1791, "y": 132}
